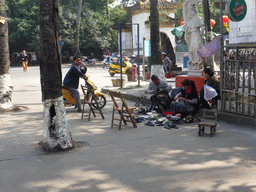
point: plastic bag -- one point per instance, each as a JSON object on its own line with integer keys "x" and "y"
{"x": 209, "y": 92}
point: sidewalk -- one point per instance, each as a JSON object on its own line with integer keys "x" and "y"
{"x": 142, "y": 159}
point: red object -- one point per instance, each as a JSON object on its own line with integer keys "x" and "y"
{"x": 134, "y": 72}
{"x": 168, "y": 112}
{"x": 182, "y": 23}
{"x": 167, "y": 75}
{"x": 225, "y": 19}
{"x": 199, "y": 81}
{"x": 212, "y": 22}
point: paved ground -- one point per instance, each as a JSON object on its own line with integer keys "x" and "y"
{"x": 134, "y": 159}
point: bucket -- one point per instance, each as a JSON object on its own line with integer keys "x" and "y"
{"x": 117, "y": 82}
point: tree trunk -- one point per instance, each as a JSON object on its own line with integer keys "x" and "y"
{"x": 5, "y": 79}
{"x": 79, "y": 11}
{"x": 156, "y": 57}
{"x": 56, "y": 135}
{"x": 107, "y": 10}
{"x": 208, "y": 33}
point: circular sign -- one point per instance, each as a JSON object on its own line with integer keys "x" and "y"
{"x": 236, "y": 9}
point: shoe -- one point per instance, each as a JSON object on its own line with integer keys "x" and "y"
{"x": 159, "y": 123}
{"x": 79, "y": 110}
{"x": 149, "y": 124}
{"x": 189, "y": 119}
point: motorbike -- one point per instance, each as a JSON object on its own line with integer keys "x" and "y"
{"x": 106, "y": 61}
{"x": 69, "y": 99}
{"x": 115, "y": 67}
{"x": 89, "y": 62}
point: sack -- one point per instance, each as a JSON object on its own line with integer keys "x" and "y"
{"x": 181, "y": 107}
{"x": 209, "y": 92}
{"x": 174, "y": 92}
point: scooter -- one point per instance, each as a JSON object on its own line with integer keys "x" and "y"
{"x": 89, "y": 62}
{"x": 115, "y": 67}
{"x": 106, "y": 61}
{"x": 69, "y": 99}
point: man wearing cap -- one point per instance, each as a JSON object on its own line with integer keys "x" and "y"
{"x": 167, "y": 62}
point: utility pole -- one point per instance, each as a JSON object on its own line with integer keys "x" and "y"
{"x": 208, "y": 32}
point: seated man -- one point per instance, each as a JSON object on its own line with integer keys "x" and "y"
{"x": 156, "y": 85}
{"x": 71, "y": 79}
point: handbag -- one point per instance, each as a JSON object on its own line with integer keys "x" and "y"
{"x": 180, "y": 107}
{"x": 209, "y": 92}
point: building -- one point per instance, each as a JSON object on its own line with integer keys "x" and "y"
{"x": 140, "y": 13}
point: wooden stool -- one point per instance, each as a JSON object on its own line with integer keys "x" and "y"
{"x": 204, "y": 124}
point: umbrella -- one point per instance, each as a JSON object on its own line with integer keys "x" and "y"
{"x": 210, "y": 48}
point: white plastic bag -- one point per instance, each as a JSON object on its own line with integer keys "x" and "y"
{"x": 209, "y": 92}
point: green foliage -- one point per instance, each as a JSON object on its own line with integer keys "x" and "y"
{"x": 23, "y": 21}
{"x": 96, "y": 33}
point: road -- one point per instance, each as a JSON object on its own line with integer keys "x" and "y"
{"x": 26, "y": 82}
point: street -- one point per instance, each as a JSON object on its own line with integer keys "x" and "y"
{"x": 142, "y": 159}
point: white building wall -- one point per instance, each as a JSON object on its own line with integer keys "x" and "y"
{"x": 144, "y": 30}
{"x": 245, "y": 30}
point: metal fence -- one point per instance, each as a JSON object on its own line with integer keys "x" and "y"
{"x": 238, "y": 81}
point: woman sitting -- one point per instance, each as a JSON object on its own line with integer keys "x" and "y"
{"x": 213, "y": 82}
{"x": 190, "y": 97}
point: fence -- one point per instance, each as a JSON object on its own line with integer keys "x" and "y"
{"x": 238, "y": 75}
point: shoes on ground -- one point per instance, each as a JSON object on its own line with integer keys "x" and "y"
{"x": 149, "y": 123}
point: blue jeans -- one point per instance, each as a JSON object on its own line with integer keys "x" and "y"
{"x": 76, "y": 96}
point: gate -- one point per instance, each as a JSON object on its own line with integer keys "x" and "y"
{"x": 238, "y": 76}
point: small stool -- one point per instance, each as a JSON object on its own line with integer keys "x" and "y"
{"x": 204, "y": 124}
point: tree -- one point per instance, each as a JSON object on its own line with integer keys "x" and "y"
{"x": 5, "y": 79}
{"x": 156, "y": 58}
{"x": 79, "y": 11}
{"x": 154, "y": 33}
{"x": 57, "y": 135}
{"x": 23, "y": 24}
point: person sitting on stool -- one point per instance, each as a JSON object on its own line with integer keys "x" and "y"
{"x": 155, "y": 85}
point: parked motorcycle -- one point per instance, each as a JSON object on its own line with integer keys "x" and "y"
{"x": 106, "y": 61}
{"x": 69, "y": 99}
{"x": 115, "y": 67}
{"x": 89, "y": 62}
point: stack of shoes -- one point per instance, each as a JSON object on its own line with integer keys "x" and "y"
{"x": 170, "y": 125}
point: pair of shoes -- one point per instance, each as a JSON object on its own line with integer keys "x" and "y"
{"x": 79, "y": 110}
{"x": 149, "y": 124}
{"x": 171, "y": 127}
{"x": 159, "y": 123}
{"x": 138, "y": 119}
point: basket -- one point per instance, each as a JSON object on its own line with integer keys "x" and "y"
{"x": 117, "y": 82}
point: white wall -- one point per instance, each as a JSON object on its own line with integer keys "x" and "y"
{"x": 245, "y": 30}
{"x": 145, "y": 31}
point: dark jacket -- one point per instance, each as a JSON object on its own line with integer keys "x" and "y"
{"x": 72, "y": 77}
{"x": 24, "y": 58}
{"x": 192, "y": 95}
